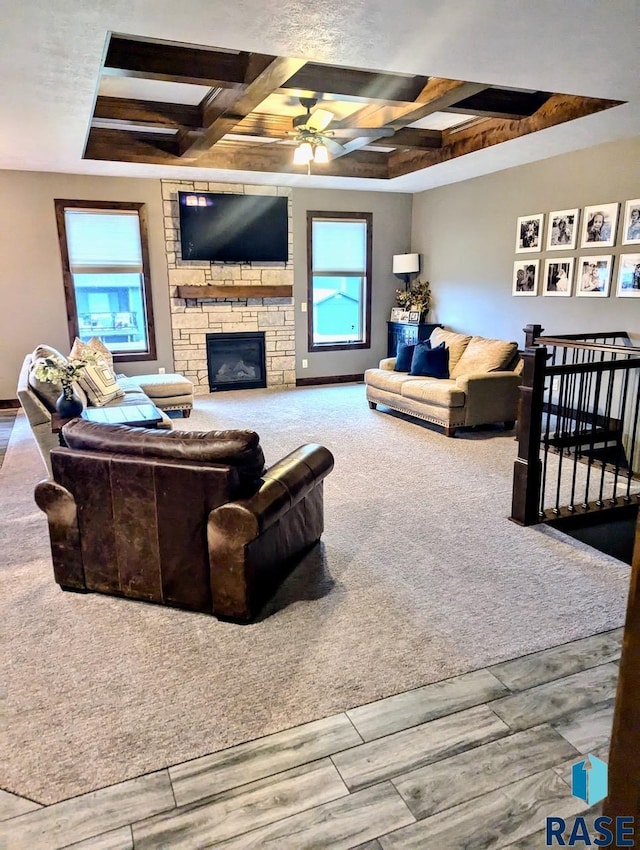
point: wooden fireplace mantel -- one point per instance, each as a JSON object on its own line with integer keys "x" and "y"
{"x": 226, "y": 291}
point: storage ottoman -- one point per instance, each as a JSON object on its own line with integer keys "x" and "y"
{"x": 168, "y": 391}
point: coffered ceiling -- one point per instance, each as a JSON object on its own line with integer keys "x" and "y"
{"x": 209, "y": 90}
{"x": 184, "y": 105}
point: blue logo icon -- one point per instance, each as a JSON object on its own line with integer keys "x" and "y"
{"x": 589, "y": 780}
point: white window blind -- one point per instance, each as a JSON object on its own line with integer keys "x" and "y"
{"x": 339, "y": 245}
{"x": 103, "y": 242}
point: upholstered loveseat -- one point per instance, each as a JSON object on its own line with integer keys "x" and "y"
{"x": 188, "y": 519}
{"x": 482, "y": 386}
{"x": 167, "y": 392}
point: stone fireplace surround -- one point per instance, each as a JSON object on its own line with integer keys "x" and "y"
{"x": 193, "y": 318}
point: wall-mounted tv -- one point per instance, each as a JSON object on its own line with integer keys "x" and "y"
{"x": 233, "y": 228}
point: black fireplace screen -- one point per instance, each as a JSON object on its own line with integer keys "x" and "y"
{"x": 236, "y": 361}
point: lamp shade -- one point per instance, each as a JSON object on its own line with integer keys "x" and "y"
{"x": 406, "y": 263}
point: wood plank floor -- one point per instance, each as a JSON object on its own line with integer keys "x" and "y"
{"x": 477, "y": 761}
{"x": 7, "y": 418}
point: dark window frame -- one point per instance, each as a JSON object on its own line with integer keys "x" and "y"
{"x": 329, "y": 216}
{"x": 69, "y": 289}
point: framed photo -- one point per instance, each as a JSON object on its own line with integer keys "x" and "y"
{"x": 563, "y": 230}
{"x": 404, "y": 316}
{"x": 529, "y": 233}
{"x": 414, "y": 315}
{"x": 558, "y": 276}
{"x": 525, "y": 277}
{"x": 594, "y": 276}
{"x": 631, "y": 226}
{"x": 599, "y": 226}
{"x": 396, "y": 312}
{"x": 629, "y": 276}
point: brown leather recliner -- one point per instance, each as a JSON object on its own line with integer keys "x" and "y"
{"x": 189, "y": 519}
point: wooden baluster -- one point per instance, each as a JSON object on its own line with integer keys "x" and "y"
{"x": 624, "y": 754}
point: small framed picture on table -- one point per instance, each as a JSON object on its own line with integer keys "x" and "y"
{"x": 414, "y": 316}
{"x": 396, "y": 313}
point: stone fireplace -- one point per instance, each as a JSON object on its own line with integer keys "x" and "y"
{"x": 197, "y": 317}
{"x": 236, "y": 361}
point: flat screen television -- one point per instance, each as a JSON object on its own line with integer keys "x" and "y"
{"x": 233, "y": 228}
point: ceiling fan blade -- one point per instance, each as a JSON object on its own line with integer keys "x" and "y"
{"x": 334, "y": 148}
{"x": 363, "y": 132}
{"x": 320, "y": 119}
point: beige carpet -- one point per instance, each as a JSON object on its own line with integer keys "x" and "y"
{"x": 420, "y": 577}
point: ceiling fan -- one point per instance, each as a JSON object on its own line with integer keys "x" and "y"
{"x": 315, "y": 142}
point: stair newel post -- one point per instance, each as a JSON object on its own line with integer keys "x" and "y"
{"x": 531, "y": 334}
{"x": 527, "y": 468}
{"x": 624, "y": 753}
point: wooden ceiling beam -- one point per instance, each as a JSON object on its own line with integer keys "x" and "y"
{"x": 236, "y": 105}
{"x": 410, "y": 137}
{"x": 437, "y": 94}
{"x": 149, "y": 113}
{"x": 124, "y": 146}
{"x": 351, "y": 82}
{"x": 558, "y": 109}
{"x": 264, "y": 124}
{"x": 127, "y": 57}
{"x": 500, "y": 103}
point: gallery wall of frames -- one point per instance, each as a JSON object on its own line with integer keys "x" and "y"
{"x": 574, "y": 262}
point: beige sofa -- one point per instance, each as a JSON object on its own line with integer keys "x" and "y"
{"x": 482, "y": 388}
{"x": 39, "y": 409}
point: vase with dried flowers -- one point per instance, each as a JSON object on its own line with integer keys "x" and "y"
{"x": 55, "y": 370}
{"x": 417, "y": 296}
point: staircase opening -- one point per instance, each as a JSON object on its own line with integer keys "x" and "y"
{"x": 611, "y": 532}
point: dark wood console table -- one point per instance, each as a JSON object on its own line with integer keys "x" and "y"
{"x": 407, "y": 332}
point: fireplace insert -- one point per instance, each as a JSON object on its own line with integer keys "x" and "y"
{"x": 236, "y": 361}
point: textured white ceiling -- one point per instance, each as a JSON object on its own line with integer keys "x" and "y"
{"x": 50, "y": 56}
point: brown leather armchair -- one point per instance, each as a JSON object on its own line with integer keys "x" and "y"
{"x": 188, "y": 519}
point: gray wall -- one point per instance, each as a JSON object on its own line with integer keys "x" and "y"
{"x": 31, "y": 287}
{"x": 391, "y": 229}
{"x": 466, "y": 234}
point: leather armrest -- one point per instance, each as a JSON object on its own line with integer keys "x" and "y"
{"x": 60, "y": 507}
{"x": 283, "y": 485}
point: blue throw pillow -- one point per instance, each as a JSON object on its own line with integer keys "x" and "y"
{"x": 430, "y": 362}
{"x": 404, "y": 356}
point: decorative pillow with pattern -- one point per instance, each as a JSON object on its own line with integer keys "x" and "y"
{"x": 95, "y": 345}
{"x": 99, "y": 383}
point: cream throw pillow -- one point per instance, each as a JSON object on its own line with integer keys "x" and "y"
{"x": 95, "y": 345}
{"x": 99, "y": 383}
{"x": 455, "y": 343}
{"x": 485, "y": 355}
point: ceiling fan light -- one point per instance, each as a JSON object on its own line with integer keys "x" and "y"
{"x": 303, "y": 154}
{"x": 321, "y": 154}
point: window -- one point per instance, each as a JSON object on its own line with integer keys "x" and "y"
{"x": 339, "y": 274}
{"x": 105, "y": 265}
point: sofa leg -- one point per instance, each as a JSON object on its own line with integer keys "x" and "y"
{"x": 186, "y": 412}
{"x": 450, "y": 430}
{"x": 509, "y": 424}
{"x": 372, "y": 405}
